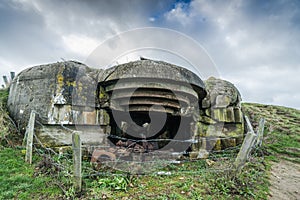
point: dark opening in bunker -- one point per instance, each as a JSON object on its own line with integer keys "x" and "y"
{"x": 174, "y": 131}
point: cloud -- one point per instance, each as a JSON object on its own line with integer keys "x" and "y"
{"x": 36, "y": 32}
{"x": 268, "y": 33}
{"x": 80, "y": 44}
{"x": 95, "y": 18}
{"x": 152, "y": 19}
{"x": 268, "y": 85}
{"x": 24, "y": 38}
{"x": 179, "y": 14}
{"x": 255, "y": 44}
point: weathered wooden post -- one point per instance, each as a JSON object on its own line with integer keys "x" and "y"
{"x": 29, "y": 132}
{"x": 12, "y": 75}
{"x": 76, "y": 145}
{"x": 5, "y": 81}
{"x": 260, "y": 132}
{"x": 246, "y": 147}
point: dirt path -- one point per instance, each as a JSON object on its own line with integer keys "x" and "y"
{"x": 285, "y": 181}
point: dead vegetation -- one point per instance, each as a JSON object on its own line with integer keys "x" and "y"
{"x": 9, "y": 134}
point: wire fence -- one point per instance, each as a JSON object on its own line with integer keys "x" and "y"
{"x": 59, "y": 161}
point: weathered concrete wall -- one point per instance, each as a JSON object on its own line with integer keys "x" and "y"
{"x": 221, "y": 121}
{"x": 57, "y": 136}
{"x": 32, "y": 88}
{"x": 59, "y": 93}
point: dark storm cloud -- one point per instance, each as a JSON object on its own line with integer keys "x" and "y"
{"x": 36, "y": 32}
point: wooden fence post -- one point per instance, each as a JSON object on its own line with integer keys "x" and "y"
{"x": 76, "y": 146}
{"x": 29, "y": 132}
{"x": 246, "y": 147}
{"x": 5, "y": 81}
{"x": 260, "y": 132}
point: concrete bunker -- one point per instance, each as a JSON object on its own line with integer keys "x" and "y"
{"x": 123, "y": 103}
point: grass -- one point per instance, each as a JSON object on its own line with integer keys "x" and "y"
{"x": 282, "y": 130}
{"x": 183, "y": 184}
{"x": 3, "y": 96}
{"x": 17, "y": 180}
{"x": 188, "y": 180}
{"x": 193, "y": 180}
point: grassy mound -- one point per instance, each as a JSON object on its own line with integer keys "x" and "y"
{"x": 282, "y": 133}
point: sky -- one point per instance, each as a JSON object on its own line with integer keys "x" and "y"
{"x": 253, "y": 44}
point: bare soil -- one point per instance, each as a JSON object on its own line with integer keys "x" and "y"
{"x": 285, "y": 181}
